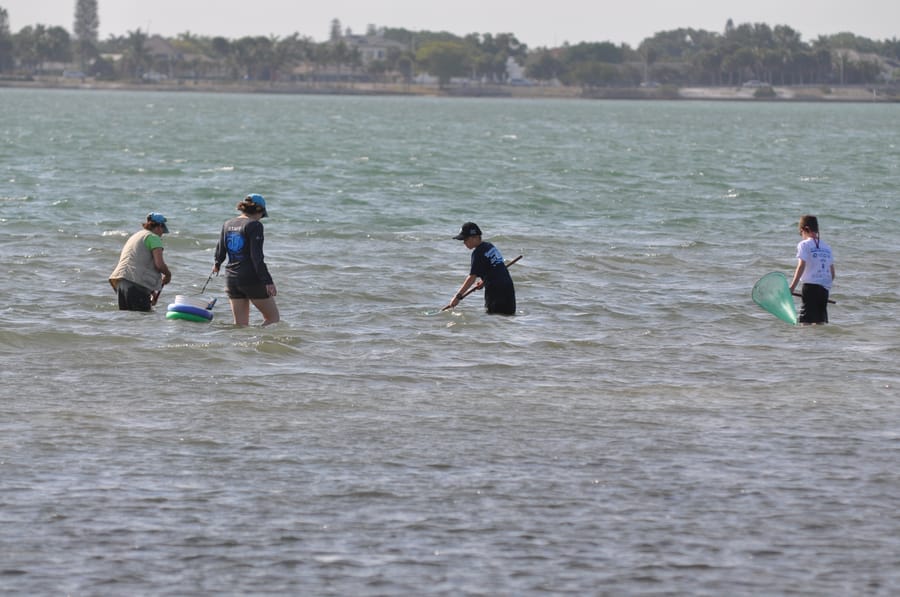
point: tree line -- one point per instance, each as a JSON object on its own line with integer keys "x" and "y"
{"x": 679, "y": 57}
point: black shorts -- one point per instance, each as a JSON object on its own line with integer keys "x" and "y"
{"x": 815, "y": 304}
{"x": 132, "y": 297}
{"x": 500, "y": 302}
{"x": 235, "y": 290}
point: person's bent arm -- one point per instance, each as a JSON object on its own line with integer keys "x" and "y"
{"x": 161, "y": 266}
{"x": 470, "y": 279}
{"x": 801, "y": 265}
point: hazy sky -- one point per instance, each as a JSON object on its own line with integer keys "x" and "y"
{"x": 535, "y": 23}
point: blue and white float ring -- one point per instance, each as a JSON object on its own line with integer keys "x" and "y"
{"x": 190, "y": 310}
{"x": 186, "y": 317}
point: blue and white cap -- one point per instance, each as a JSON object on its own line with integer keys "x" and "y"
{"x": 258, "y": 200}
{"x": 158, "y": 218}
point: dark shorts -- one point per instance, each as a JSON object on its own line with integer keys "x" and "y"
{"x": 502, "y": 302}
{"x": 235, "y": 290}
{"x": 132, "y": 297}
{"x": 815, "y": 304}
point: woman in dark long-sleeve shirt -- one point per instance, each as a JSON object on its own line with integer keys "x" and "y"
{"x": 247, "y": 279}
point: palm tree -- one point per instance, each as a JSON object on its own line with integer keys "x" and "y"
{"x": 136, "y": 53}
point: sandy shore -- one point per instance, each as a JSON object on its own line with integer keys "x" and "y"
{"x": 792, "y": 93}
{"x": 778, "y": 93}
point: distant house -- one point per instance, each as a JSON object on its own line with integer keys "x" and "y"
{"x": 372, "y": 47}
{"x": 159, "y": 48}
{"x": 169, "y": 62}
{"x": 515, "y": 72}
{"x": 163, "y": 58}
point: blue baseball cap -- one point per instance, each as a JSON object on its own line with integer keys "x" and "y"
{"x": 258, "y": 200}
{"x": 158, "y": 219}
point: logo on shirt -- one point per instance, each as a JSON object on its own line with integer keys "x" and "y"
{"x": 234, "y": 241}
{"x": 494, "y": 256}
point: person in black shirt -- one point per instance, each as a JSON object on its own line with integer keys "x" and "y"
{"x": 487, "y": 264}
{"x": 247, "y": 279}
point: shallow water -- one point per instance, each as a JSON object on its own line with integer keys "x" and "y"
{"x": 640, "y": 427}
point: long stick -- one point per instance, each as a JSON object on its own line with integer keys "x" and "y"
{"x": 202, "y": 290}
{"x": 480, "y": 285}
{"x": 801, "y": 296}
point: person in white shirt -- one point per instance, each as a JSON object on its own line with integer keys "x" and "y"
{"x": 815, "y": 269}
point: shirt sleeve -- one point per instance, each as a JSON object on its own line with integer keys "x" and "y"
{"x": 153, "y": 242}
{"x": 255, "y": 235}
{"x": 220, "y": 247}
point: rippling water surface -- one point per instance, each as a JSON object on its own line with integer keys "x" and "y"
{"x": 640, "y": 427}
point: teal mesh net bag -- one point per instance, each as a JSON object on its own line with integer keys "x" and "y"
{"x": 772, "y": 293}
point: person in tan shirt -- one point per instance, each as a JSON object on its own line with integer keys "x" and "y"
{"x": 142, "y": 272}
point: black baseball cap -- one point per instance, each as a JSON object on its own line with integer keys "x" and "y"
{"x": 468, "y": 229}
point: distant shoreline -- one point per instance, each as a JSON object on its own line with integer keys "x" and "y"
{"x": 854, "y": 94}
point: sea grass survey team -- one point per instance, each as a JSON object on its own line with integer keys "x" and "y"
{"x": 142, "y": 272}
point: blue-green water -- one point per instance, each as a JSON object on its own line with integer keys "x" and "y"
{"x": 640, "y": 427}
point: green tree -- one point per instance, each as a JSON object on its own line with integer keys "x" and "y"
{"x": 335, "y": 34}
{"x": 482, "y": 65}
{"x": 294, "y": 50}
{"x": 739, "y": 63}
{"x": 803, "y": 68}
{"x": 649, "y": 53}
{"x": 543, "y": 65}
{"x": 824, "y": 67}
{"x": 593, "y": 52}
{"x": 318, "y": 54}
{"x": 135, "y": 59}
{"x": 87, "y": 23}
{"x": 222, "y": 51}
{"x": 7, "y": 59}
{"x": 339, "y": 54}
{"x": 445, "y": 60}
{"x": 400, "y": 62}
{"x": 253, "y": 56}
{"x": 406, "y": 66}
{"x": 773, "y": 64}
{"x": 708, "y": 66}
{"x": 377, "y": 69}
{"x": 57, "y": 45}
{"x": 25, "y": 46}
{"x": 285, "y": 53}
{"x": 221, "y": 47}
{"x": 891, "y": 48}
{"x": 490, "y": 54}
{"x": 189, "y": 43}
{"x": 851, "y": 41}
{"x": 593, "y": 73}
{"x": 102, "y": 69}
{"x": 39, "y": 44}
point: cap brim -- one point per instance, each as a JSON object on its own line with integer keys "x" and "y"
{"x": 460, "y": 237}
{"x": 165, "y": 228}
